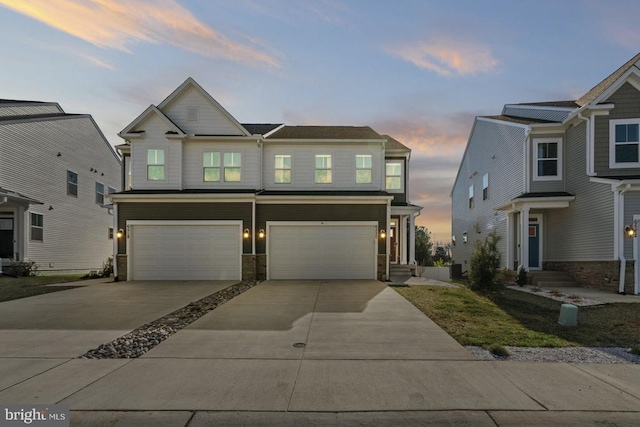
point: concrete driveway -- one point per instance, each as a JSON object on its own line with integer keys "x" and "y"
{"x": 66, "y": 324}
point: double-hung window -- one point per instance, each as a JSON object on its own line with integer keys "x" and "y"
{"x": 155, "y": 165}
{"x": 485, "y": 186}
{"x": 323, "y": 169}
{"x": 37, "y": 227}
{"x": 548, "y": 159}
{"x": 624, "y": 142}
{"x": 211, "y": 166}
{"x": 72, "y": 183}
{"x": 363, "y": 169}
{"x": 232, "y": 167}
{"x": 282, "y": 169}
{"x": 393, "y": 176}
{"x": 99, "y": 193}
{"x": 471, "y": 201}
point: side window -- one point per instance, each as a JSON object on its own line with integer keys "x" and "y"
{"x": 471, "y": 201}
{"x": 624, "y": 143}
{"x": 37, "y": 227}
{"x": 72, "y": 183}
{"x": 282, "y": 169}
{"x": 363, "y": 169}
{"x": 485, "y": 186}
{"x": 155, "y": 165}
{"x": 211, "y": 167}
{"x": 99, "y": 193}
{"x": 232, "y": 170}
{"x": 394, "y": 176}
{"x": 548, "y": 159}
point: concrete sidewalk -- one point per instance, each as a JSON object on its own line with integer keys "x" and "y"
{"x": 369, "y": 357}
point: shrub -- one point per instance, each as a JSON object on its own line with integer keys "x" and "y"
{"x": 506, "y": 277}
{"x": 21, "y": 269}
{"x": 498, "y": 350}
{"x": 485, "y": 263}
{"x": 521, "y": 277}
{"x": 107, "y": 269}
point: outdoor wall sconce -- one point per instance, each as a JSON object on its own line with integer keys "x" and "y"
{"x": 631, "y": 231}
{"x": 261, "y": 233}
{"x": 120, "y": 233}
{"x": 383, "y": 234}
{"x": 245, "y": 233}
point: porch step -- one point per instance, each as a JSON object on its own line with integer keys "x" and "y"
{"x": 553, "y": 279}
{"x": 400, "y": 272}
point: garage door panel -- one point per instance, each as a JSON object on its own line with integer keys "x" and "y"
{"x": 185, "y": 252}
{"x": 322, "y": 251}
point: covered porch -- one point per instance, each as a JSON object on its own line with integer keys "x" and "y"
{"x": 401, "y": 244}
{"x": 13, "y": 225}
{"x": 525, "y": 227}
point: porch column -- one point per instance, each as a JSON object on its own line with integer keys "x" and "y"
{"x": 21, "y": 221}
{"x": 524, "y": 237}
{"x": 510, "y": 241}
{"x": 402, "y": 240}
{"x": 412, "y": 239}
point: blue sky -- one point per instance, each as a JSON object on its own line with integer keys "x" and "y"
{"x": 418, "y": 70}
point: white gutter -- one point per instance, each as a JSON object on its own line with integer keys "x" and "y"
{"x": 527, "y": 166}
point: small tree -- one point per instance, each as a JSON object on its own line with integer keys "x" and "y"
{"x": 423, "y": 246}
{"x": 485, "y": 263}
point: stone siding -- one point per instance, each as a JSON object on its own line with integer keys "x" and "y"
{"x": 121, "y": 260}
{"x": 382, "y": 268}
{"x": 248, "y": 267}
{"x": 604, "y": 275}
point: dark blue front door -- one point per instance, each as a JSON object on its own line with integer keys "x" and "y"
{"x": 534, "y": 245}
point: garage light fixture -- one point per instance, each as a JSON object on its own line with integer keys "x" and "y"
{"x": 631, "y": 230}
{"x": 261, "y": 233}
{"x": 245, "y": 234}
{"x": 383, "y": 234}
{"x": 120, "y": 233}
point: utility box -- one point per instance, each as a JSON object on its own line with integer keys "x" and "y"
{"x": 455, "y": 271}
{"x": 568, "y": 315}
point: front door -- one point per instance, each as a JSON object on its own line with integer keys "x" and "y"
{"x": 6, "y": 237}
{"x": 393, "y": 242}
{"x": 534, "y": 246}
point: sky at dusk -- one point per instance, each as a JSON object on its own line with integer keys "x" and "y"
{"x": 417, "y": 70}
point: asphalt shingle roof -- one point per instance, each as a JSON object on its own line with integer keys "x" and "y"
{"x": 325, "y": 132}
{"x": 260, "y": 128}
{"x": 518, "y": 120}
{"x": 599, "y": 89}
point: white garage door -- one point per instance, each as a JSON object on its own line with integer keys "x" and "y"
{"x": 177, "y": 251}
{"x": 322, "y": 251}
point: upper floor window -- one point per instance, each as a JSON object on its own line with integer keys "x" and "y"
{"x": 155, "y": 165}
{"x": 548, "y": 159}
{"x": 471, "y": 201}
{"x": 111, "y": 190}
{"x": 363, "y": 169}
{"x": 323, "y": 169}
{"x": 393, "y": 176}
{"x": 282, "y": 173}
{"x": 72, "y": 183}
{"x": 99, "y": 193}
{"x": 37, "y": 227}
{"x": 624, "y": 142}
{"x": 232, "y": 171}
{"x": 211, "y": 167}
{"x": 485, "y": 186}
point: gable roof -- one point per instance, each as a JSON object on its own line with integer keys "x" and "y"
{"x": 557, "y": 104}
{"x": 517, "y": 120}
{"x": 190, "y": 82}
{"x": 395, "y": 145}
{"x": 151, "y": 110}
{"x": 601, "y": 87}
{"x": 326, "y": 132}
{"x": 260, "y": 128}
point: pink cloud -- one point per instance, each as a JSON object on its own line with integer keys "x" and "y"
{"x": 118, "y": 25}
{"x": 447, "y": 57}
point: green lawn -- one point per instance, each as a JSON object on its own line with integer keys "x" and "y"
{"x": 21, "y": 287}
{"x": 520, "y": 319}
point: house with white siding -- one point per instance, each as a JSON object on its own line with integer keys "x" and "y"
{"x": 560, "y": 184}
{"x": 56, "y": 170}
{"x": 208, "y": 197}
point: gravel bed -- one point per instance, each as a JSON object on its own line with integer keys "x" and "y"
{"x": 140, "y": 340}
{"x": 563, "y": 354}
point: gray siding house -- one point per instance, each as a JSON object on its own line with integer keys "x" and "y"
{"x": 206, "y": 197}
{"x": 560, "y": 183}
{"x": 56, "y": 170}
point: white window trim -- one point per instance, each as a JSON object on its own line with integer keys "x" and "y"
{"x": 99, "y": 193}
{"x": 290, "y": 169}
{"x": 471, "y": 200}
{"x": 402, "y": 172}
{"x": 31, "y": 227}
{"x": 164, "y": 164}
{"x": 223, "y": 173}
{"x": 485, "y": 186}
{"x": 219, "y": 167}
{"x": 330, "y": 169}
{"x": 612, "y": 144}
{"x": 538, "y": 141}
{"x": 370, "y": 169}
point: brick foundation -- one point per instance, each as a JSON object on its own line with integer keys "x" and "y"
{"x": 604, "y": 275}
{"x": 121, "y": 260}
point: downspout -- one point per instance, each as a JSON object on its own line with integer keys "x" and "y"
{"x": 3, "y": 200}
{"x": 115, "y": 240}
{"x": 589, "y": 147}
{"x": 527, "y": 167}
{"x": 621, "y": 257}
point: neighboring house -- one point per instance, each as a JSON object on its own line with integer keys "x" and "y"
{"x": 558, "y": 181}
{"x": 55, "y": 172}
{"x": 210, "y": 198}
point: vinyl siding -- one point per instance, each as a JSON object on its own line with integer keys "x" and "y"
{"x": 631, "y": 208}
{"x": 547, "y": 186}
{"x": 28, "y": 109}
{"x": 627, "y": 106}
{"x": 76, "y": 228}
{"x": 497, "y": 149}
{"x": 343, "y": 161}
{"x": 584, "y": 230}
{"x": 193, "y": 172}
{"x": 299, "y": 212}
{"x": 211, "y": 121}
{"x": 155, "y": 138}
{"x": 184, "y": 211}
{"x": 536, "y": 113}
